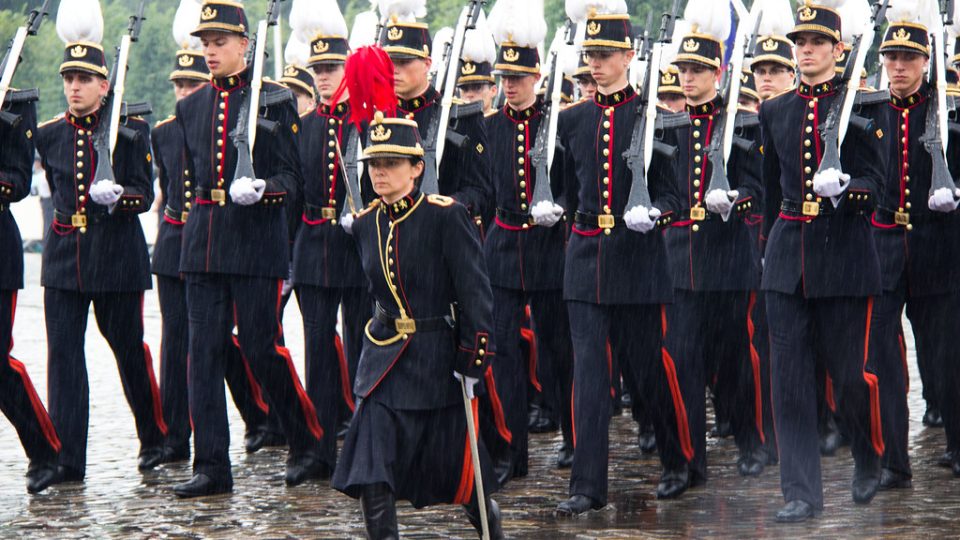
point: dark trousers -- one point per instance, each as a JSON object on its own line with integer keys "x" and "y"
{"x": 936, "y": 324}
{"x": 18, "y": 399}
{"x": 174, "y": 343}
{"x": 835, "y": 330}
{"x": 330, "y": 382}
{"x": 760, "y": 343}
{"x": 551, "y": 326}
{"x": 214, "y": 302}
{"x": 705, "y": 328}
{"x": 635, "y": 333}
{"x": 119, "y": 316}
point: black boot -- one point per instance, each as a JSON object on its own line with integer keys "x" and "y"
{"x": 751, "y": 462}
{"x": 795, "y": 512}
{"x": 578, "y": 504}
{"x": 946, "y": 459}
{"x": 41, "y": 475}
{"x": 830, "y": 438}
{"x": 149, "y": 458}
{"x": 673, "y": 483}
{"x": 647, "y": 439}
{"x": 379, "y": 512}
{"x": 932, "y": 417}
{"x": 891, "y": 479}
{"x": 866, "y": 479}
{"x": 493, "y": 518}
{"x": 565, "y": 456}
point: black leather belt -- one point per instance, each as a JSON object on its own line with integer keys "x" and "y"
{"x": 887, "y": 216}
{"x": 601, "y": 221}
{"x": 317, "y": 213}
{"x": 175, "y": 215}
{"x": 411, "y": 326}
{"x": 214, "y": 195}
{"x": 698, "y": 213}
{"x": 807, "y": 209}
{"x": 515, "y": 219}
{"x": 76, "y": 220}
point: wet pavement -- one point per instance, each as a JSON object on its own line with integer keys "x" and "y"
{"x": 117, "y": 501}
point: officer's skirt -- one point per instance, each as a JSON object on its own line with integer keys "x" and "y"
{"x": 423, "y": 455}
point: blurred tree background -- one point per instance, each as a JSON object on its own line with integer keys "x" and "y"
{"x": 151, "y": 59}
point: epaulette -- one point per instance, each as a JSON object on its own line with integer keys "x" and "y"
{"x": 491, "y": 113}
{"x": 308, "y": 113}
{"x": 466, "y": 110}
{"x": 440, "y": 200}
{"x": 578, "y": 103}
{"x": 782, "y": 93}
{"x": 51, "y": 121}
{"x": 275, "y": 94}
{"x": 22, "y": 96}
{"x": 165, "y": 121}
{"x": 866, "y": 97}
{"x": 370, "y": 207}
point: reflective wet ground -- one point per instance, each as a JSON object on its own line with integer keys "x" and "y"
{"x": 118, "y": 502}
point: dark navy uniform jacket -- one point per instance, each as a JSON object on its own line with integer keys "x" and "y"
{"x": 624, "y": 267}
{"x": 176, "y": 185}
{"x": 422, "y": 254}
{"x": 520, "y": 255}
{"x": 710, "y": 254}
{"x": 109, "y": 254}
{"x": 16, "y": 173}
{"x": 232, "y": 239}
{"x": 924, "y": 247}
{"x": 829, "y": 255}
{"x": 464, "y": 171}
{"x": 324, "y": 255}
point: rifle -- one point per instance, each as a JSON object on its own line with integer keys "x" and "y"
{"x": 641, "y": 47}
{"x": 105, "y": 139}
{"x": 721, "y": 141}
{"x": 447, "y": 81}
{"x": 244, "y": 136}
{"x": 840, "y": 116}
{"x": 936, "y": 131}
{"x": 12, "y": 59}
{"x": 541, "y": 157}
{"x": 642, "y": 143}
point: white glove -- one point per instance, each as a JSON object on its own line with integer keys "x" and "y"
{"x": 546, "y": 213}
{"x": 721, "y": 202}
{"x": 468, "y": 382}
{"x": 287, "y": 283}
{"x": 346, "y": 221}
{"x": 830, "y": 183}
{"x": 641, "y": 219}
{"x": 944, "y": 200}
{"x": 106, "y": 192}
{"x": 246, "y": 191}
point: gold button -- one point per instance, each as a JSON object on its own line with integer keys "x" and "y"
{"x": 79, "y": 153}
{"x": 187, "y": 205}
{"x": 523, "y": 195}
{"x": 695, "y": 227}
{"x": 697, "y": 159}
{"x": 696, "y": 183}
{"x": 83, "y": 198}
{"x": 523, "y": 184}
{"x": 83, "y": 230}
{"x": 606, "y": 152}
{"x": 392, "y": 275}
{"x": 606, "y": 138}
{"x": 80, "y": 176}
{"x": 608, "y": 111}
{"x": 80, "y": 142}
{"x": 606, "y": 124}
{"x": 219, "y": 142}
{"x": 807, "y": 143}
{"x": 909, "y": 226}
{"x": 906, "y": 178}
{"x": 519, "y": 127}
{"x": 479, "y": 362}
{"x": 332, "y": 121}
{"x": 523, "y": 206}
{"x": 330, "y": 166}
{"x": 521, "y": 172}
{"x": 606, "y": 209}
{"x": 809, "y": 183}
{"x": 219, "y": 129}
{"x": 696, "y": 122}
{"x": 330, "y": 155}
{"x": 606, "y": 194}
{"x": 481, "y": 352}
{"x": 809, "y": 197}
{"x": 188, "y": 194}
{"x": 332, "y": 132}
{"x": 812, "y": 104}
{"x": 224, "y": 94}
{"x": 606, "y": 166}
{"x": 81, "y": 187}
{"x": 223, "y": 105}
{"x": 807, "y": 170}
{"x": 521, "y": 161}
{"x": 520, "y": 138}
{"x": 220, "y": 116}
{"x": 79, "y": 164}
{"x": 186, "y": 184}
{"x": 908, "y": 205}
{"x": 809, "y": 129}
{"x": 606, "y": 232}
{"x": 331, "y": 144}
{"x": 807, "y": 156}
{"x": 520, "y": 149}
{"x": 906, "y": 192}
{"x": 697, "y": 146}
{"x": 696, "y": 195}
{"x": 606, "y": 181}
{"x": 81, "y": 132}
{"x": 904, "y": 127}
{"x": 696, "y": 134}
{"x": 698, "y": 170}
{"x": 219, "y": 155}
{"x": 810, "y": 116}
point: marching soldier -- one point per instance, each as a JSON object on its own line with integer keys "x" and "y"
{"x": 176, "y": 185}
{"x": 236, "y": 253}
{"x": 18, "y": 398}
{"x": 524, "y": 259}
{"x": 669, "y": 93}
{"x": 821, "y": 268}
{"x": 712, "y": 257}
{"x": 586, "y": 84}
{"x": 915, "y": 227}
{"x": 97, "y": 253}
{"x": 326, "y": 266}
{"x": 297, "y": 77}
{"x": 616, "y": 278}
{"x": 432, "y": 332}
{"x": 465, "y": 171}
{"x": 476, "y": 81}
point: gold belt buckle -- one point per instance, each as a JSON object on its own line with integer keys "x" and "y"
{"x": 78, "y": 220}
{"x": 405, "y": 325}
{"x": 606, "y": 221}
{"x": 698, "y": 213}
{"x": 811, "y": 209}
{"x": 218, "y": 195}
{"x": 183, "y": 216}
{"x": 901, "y": 218}
{"x": 329, "y": 213}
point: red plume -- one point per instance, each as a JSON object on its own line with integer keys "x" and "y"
{"x": 368, "y": 76}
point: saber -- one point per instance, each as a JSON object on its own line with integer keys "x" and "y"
{"x": 475, "y": 455}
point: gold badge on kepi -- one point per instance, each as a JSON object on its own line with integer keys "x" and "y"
{"x": 593, "y": 28}
{"x": 395, "y": 34}
{"x": 185, "y": 60}
{"x": 511, "y": 55}
{"x": 807, "y": 14}
{"x": 208, "y": 14}
{"x": 321, "y": 47}
{"x": 469, "y": 68}
{"x": 78, "y": 52}
{"x": 691, "y": 45}
{"x": 770, "y": 45}
{"x": 290, "y": 71}
{"x": 380, "y": 134}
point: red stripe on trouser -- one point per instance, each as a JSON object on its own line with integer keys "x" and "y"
{"x": 154, "y": 391}
{"x": 465, "y": 488}
{"x": 755, "y": 364}
{"x": 309, "y": 412}
{"x": 527, "y": 335}
{"x": 876, "y": 429}
{"x": 499, "y": 419}
{"x": 573, "y": 414}
{"x": 46, "y": 426}
{"x": 613, "y": 390}
{"x": 345, "y": 387}
{"x": 828, "y": 394}
{"x": 680, "y": 410}
{"x": 255, "y": 391}
{"x": 903, "y": 359}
